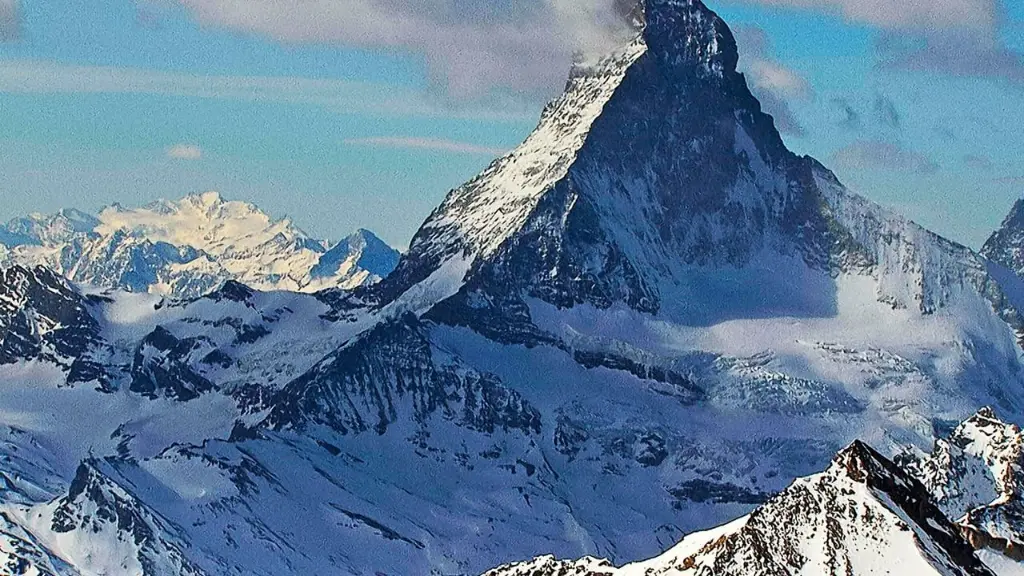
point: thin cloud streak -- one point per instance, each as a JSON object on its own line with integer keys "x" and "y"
{"x": 432, "y": 144}
{"x": 39, "y": 77}
{"x": 10, "y": 20}
{"x": 185, "y": 152}
{"x": 904, "y": 14}
{"x": 978, "y": 162}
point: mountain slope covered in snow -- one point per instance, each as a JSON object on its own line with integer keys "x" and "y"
{"x": 189, "y": 247}
{"x": 645, "y": 322}
{"x": 863, "y": 516}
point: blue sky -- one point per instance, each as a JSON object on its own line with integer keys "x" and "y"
{"x": 340, "y": 125}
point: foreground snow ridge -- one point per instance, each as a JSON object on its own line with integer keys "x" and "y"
{"x": 863, "y": 516}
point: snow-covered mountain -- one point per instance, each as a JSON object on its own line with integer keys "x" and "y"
{"x": 863, "y": 515}
{"x": 948, "y": 512}
{"x": 976, "y": 475}
{"x": 645, "y": 322}
{"x": 189, "y": 247}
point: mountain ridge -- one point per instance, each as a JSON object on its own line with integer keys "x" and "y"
{"x": 188, "y": 247}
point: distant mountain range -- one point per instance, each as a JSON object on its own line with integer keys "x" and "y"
{"x": 187, "y": 248}
{"x": 650, "y": 340}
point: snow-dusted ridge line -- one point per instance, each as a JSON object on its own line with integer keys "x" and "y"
{"x": 863, "y": 516}
{"x": 188, "y": 247}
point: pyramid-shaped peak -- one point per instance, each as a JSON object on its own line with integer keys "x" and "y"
{"x": 687, "y": 32}
{"x": 860, "y": 462}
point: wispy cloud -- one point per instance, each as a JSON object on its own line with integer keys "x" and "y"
{"x": 878, "y": 155}
{"x": 185, "y": 152}
{"x": 978, "y": 162}
{"x": 469, "y": 45}
{"x": 959, "y": 37}
{"x": 905, "y": 14}
{"x": 10, "y": 20}
{"x": 1010, "y": 180}
{"x": 773, "y": 83}
{"x": 33, "y": 77}
{"x": 434, "y": 144}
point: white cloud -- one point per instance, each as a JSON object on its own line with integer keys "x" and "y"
{"x": 959, "y": 37}
{"x": 773, "y": 76}
{"x": 774, "y": 84}
{"x": 38, "y": 77}
{"x": 906, "y": 14}
{"x": 434, "y": 144}
{"x": 185, "y": 152}
{"x": 469, "y": 45}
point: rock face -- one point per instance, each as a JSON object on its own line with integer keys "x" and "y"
{"x": 653, "y": 172}
{"x": 162, "y": 366}
{"x": 187, "y": 248}
{"x": 43, "y": 318}
{"x": 104, "y": 529}
{"x": 646, "y": 321}
{"x": 1006, "y": 245}
{"x": 393, "y": 372}
{"x": 863, "y": 516}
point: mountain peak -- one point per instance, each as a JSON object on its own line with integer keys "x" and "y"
{"x": 185, "y": 248}
{"x": 1006, "y": 245}
{"x": 1016, "y": 215}
{"x": 206, "y": 198}
{"x": 654, "y": 159}
{"x": 687, "y": 32}
{"x": 861, "y": 463}
{"x": 362, "y": 250}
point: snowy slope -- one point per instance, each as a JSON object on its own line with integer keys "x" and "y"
{"x": 976, "y": 475}
{"x": 862, "y": 516}
{"x": 189, "y": 247}
{"x": 100, "y": 528}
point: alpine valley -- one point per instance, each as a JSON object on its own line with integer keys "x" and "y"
{"x": 649, "y": 340}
